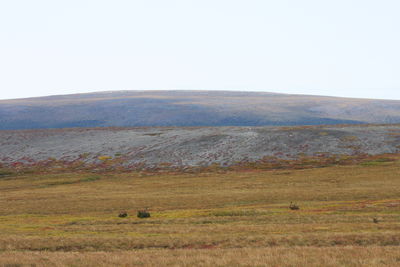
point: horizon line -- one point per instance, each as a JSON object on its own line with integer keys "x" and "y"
{"x": 196, "y": 90}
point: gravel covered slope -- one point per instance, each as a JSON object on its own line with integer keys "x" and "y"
{"x": 194, "y": 146}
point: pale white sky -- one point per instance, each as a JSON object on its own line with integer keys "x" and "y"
{"x": 324, "y": 47}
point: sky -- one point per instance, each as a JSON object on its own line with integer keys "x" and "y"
{"x": 324, "y": 47}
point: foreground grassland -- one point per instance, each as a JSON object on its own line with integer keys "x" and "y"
{"x": 274, "y": 256}
{"x": 216, "y": 218}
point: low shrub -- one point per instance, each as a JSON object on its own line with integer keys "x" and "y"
{"x": 143, "y": 214}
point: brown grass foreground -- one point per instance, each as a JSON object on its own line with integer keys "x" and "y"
{"x": 213, "y": 218}
{"x": 282, "y": 257}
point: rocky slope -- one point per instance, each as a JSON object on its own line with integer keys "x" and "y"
{"x": 197, "y": 146}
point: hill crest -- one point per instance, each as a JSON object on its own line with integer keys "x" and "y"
{"x": 191, "y": 108}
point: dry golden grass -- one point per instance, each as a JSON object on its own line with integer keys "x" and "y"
{"x": 216, "y": 218}
{"x": 282, "y": 257}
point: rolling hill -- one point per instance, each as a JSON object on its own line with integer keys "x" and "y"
{"x": 191, "y": 108}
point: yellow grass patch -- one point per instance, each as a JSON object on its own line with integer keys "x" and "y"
{"x": 222, "y": 213}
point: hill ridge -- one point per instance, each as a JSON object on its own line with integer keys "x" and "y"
{"x": 191, "y": 108}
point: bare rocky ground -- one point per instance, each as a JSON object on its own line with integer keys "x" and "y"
{"x": 197, "y": 146}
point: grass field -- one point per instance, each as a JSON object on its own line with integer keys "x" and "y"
{"x": 213, "y": 218}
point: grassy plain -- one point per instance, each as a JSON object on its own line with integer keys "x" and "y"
{"x": 209, "y": 218}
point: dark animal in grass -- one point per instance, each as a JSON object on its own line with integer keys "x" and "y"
{"x": 375, "y": 220}
{"x": 123, "y": 214}
{"x": 143, "y": 214}
{"x": 293, "y": 206}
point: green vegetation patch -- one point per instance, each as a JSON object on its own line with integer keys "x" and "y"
{"x": 65, "y": 181}
{"x": 91, "y": 178}
{"x": 237, "y": 213}
{"x": 5, "y": 173}
{"x": 377, "y": 162}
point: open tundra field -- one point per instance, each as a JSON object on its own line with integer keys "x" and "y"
{"x": 349, "y": 216}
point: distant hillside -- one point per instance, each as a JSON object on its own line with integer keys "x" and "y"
{"x": 191, "y": 108}
{"x": 192, "y": 146}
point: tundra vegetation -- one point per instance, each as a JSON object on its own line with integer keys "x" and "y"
{"x": 349, "y": 215}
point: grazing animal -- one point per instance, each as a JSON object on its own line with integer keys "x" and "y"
{"x": 375, "y": 220}
{"x": 123, "y": 214}
{"x": 293, "y": 206}
{"x": 143, "y": 214}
